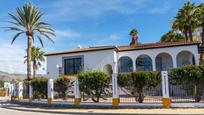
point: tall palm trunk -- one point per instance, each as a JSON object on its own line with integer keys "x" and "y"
{"x": 202, "y": 34}
{"x": 190, "y": 34}
{"x": 29, "y": 50}
{"x": 186, "y": 35}
{"x": 34, "y": 69}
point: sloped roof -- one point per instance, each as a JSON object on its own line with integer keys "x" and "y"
{"x": 126, "y": 48}
{"x": 155, "y": 45}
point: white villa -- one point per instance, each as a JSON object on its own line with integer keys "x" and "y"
{"x": 118, "y": 59}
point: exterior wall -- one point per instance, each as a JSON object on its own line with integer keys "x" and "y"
{"x": 173, "y": 51}
{"x": 95, "y": 60}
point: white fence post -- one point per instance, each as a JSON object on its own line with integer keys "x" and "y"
{"x": 115, "y": 99}
{"x": 77, "y": 99}
{"x": 165, "y": 89}
{"x": 50, "y": 90}
{"x": 30, "y": 93}
{"x": 20, "y": 91}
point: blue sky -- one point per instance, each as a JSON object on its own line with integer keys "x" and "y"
{"x": 89, "y": 23}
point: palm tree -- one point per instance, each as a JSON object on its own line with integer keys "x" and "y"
{"x": 187, "y": 20}
{"x": 37, "y": 56}
{"x": 134, "y": 35}
{"x": 172, "y": 36}
{"x": 201, "y": 19}
{"x": 27, "y": 21}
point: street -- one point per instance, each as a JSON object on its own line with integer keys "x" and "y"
{"x": 13, "y": 109}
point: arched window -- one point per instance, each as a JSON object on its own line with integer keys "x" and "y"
{"x": 163, "y": 62}
{"x": 144, "y": 63}
{"x": 125, "y": 64}
{"x": 185, "y": 58}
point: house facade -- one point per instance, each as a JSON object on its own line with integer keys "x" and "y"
{"x": 121, "y": 59}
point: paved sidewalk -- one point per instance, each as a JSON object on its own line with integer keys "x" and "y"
{"x": 187, "y": 111}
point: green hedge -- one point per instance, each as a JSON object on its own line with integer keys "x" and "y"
{"x": 191, "y": 79}
{"x": 1, "y": 83}
{"x": 61, "y": 86}
{"x": 39, "y": 87}
{"x": 136, "y": 82}
{"x": 94, "y": 84}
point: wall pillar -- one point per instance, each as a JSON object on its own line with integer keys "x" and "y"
{"x": 77, "y": 95}
{"x": 165, "y": 90}
{"x": 174, "y": 61}
{"x": 30, "y": 93}
{"x": 153, "y": 63}
{"x": 50, "y": 88}
{"x": 20, "y": 91}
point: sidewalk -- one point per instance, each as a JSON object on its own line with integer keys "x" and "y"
{"x": 188, "y": 111}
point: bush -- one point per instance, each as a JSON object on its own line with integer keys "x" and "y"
{"x": 1, "y": 83}
{"x": 191, "y": 78}
{"x": 136, "y": 82}
{"x": 94, "y": 84}
{"x": 61, "y": 86}
{"x": 39, "y": 87}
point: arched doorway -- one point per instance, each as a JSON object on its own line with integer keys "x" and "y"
{"x": 144, "y": 63}
{"x": 185, "y": 58}
{"x": 163, "y": 62}
{"x": 125, "y": 64}
{"x": 108, "y": 69}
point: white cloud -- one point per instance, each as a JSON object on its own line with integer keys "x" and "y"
{"x": 76, "y": 9}
{"x": 160, "y": 10}
{"x": 66, "y": 33}
{"x": 12, "y": 59}
{"x": 111, "y": 39}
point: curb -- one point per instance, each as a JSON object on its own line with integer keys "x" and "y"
{"x": 88, "y": 106}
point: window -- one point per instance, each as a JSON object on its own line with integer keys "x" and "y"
{"x": 125, "y": 65}
{"x": 73, "y": 65}
{"x": 144, "y": 63}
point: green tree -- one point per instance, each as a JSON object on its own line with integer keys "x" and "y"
{"x": 172, "y": 37}
{"x": 27, "y": 21}
{"x": 138, "y": 82}
{"x": 134, "y": 35}
{"x": 200, "y": 11}
{"x": 186, "y": 20}
{"x": 37, "y": 56}
{"x": 94, "y": 84}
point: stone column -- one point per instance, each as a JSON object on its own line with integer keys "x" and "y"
{"x": 30, "y": 93}
{"x": 20, "y": 91}
{"x": 50, "y": 88}
{"x": 77, "y": 95}
{"x": 115, "y": 99}
{"x": 165, "y": 90}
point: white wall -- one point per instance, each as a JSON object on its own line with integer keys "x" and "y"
{"x": 95, "y": 60}
{"x": 173, "y": 51}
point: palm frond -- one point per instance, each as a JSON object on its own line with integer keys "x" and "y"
{"x": 41, "y": 42}
{"x": 14, "y": 38}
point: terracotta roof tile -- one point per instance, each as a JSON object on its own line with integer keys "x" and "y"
{"x": 82, "y": 50}
{"x": 125, "y": 48}
{"x": 154, "y": 45}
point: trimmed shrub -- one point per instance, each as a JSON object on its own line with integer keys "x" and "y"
{"x": 94, "y": 84}
{"x": 191, "y": 79}
{"x": 39, "y": 87}
{"x": 1, "y": 83}
{"x": 61, "y": 86}
{"x": 136, "y": 82}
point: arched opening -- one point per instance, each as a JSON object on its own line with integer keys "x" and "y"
{"x": 125, "y": 64}
{"x": 144, "y": 63}
{"x": 108, "y": 69}
{"x": 163, "y": 62}
{"x": 185, "y": 58}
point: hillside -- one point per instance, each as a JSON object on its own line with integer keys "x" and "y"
{"x": 10, "y": 77}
